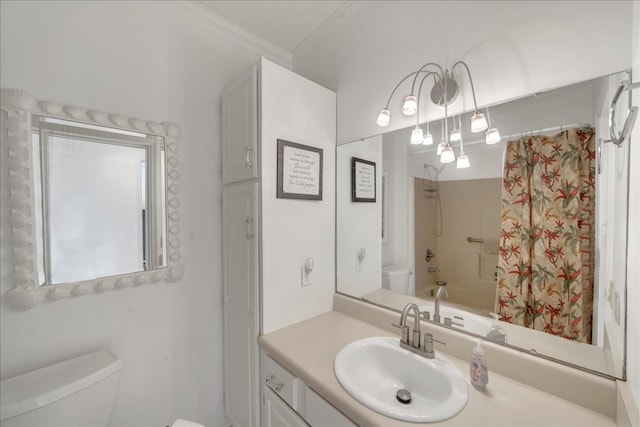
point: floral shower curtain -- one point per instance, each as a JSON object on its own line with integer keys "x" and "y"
{"x": 545, "y": 268}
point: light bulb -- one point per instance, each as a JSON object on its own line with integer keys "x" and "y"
{"x": 410, "y": 105}
{"x": 428, "y": 139}
{"x": 493, "y": 136}
{"x": 447, "y": 155}
{"x": 416, "y": 136}
{"x": 383, "y": 118}
{"x": 463, "y": 161}
{"x": 478, "y": 122}
{"x": 455, "y": 135}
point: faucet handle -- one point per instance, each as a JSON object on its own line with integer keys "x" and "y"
{"x": 405, "y": 332}
{"x": 428, "y": 341}
{"x": 428, "y": 345}
{"x": 426, "y": 315}
{"x": 449, "y": 322}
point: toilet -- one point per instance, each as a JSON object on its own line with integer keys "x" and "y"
{"x": 77, "y": 392}
{"x": 396, "y": 278}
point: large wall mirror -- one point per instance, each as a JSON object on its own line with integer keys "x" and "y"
{"x": 93, "y": 199}
{"x": 435, "y": 226}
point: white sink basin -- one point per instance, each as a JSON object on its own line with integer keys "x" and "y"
{"x": 372, "y": 370}
{"x": 473, "y": 323}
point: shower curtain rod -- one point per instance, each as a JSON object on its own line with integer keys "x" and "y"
{"x": 519, "y": 134}
{"x": 541, "y": 131}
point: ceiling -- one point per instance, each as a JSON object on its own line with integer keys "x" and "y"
{"x": 286, "y": 23}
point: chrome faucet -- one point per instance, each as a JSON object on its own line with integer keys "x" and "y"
{"x": 440, "y": 294}
{"x": 414, "y": 346}
{"x": 415, "y": 340}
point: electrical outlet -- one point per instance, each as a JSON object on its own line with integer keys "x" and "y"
{"x": 362, "y": 254}
{"x": 304, "y": 277}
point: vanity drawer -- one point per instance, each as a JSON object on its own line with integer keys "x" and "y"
{"x": 280, "y": 381}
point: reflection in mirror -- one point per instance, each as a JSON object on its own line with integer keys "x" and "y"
{"x": 93, "y": 197}
{"x": 513, "y": 263}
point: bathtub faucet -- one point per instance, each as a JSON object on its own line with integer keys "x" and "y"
{"x": 440, "y": 294}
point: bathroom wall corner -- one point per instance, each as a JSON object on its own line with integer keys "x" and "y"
{"x": 627, "y": 411}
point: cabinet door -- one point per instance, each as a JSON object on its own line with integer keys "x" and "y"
{"x": 239, "y": 129}
{"x": 241, "y": 311}
{"x": 320, "y": 413}
{"x": 276, "y": 413}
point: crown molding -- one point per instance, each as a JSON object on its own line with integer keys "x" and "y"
{"x": 223, "y": 27}
{"x": 335, "y": 21}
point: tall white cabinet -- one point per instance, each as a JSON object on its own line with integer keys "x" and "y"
{"x": 240, "y": 255}
{"x": 267, "y": 239}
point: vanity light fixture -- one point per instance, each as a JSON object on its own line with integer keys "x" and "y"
{"x": 478, "y": 122}
{"x": 410, "y": 106}
{"x": 417, "y": 136}
{"x": 444, "y": 91}
{"x": 493, "y": 136}
{"x": 383, "y": 118}
{"x": 447, "y": 155}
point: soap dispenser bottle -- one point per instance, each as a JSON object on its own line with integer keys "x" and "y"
{"x": 478, "y": 368}
{"x": 496, "y": 333}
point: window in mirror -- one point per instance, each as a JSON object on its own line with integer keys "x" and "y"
{"x": 93, "y": 199}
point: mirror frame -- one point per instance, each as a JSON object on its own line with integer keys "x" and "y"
{"x": 27, "y": 293}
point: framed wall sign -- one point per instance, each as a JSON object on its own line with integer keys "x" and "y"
{"x": 299, "y": 171}
{"x": 363, "y": 180}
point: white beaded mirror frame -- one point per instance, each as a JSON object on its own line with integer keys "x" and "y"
{"x": 28, "y": 293}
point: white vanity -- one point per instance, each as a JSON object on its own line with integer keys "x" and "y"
{"x": 288, "y": 401}
{"x": 301, "y": 357}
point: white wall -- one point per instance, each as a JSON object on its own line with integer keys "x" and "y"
{"x": 364, "y": 233}
{"x": 297, "y": 110}
{"x": 397, "y": 249}
{"x": 156, "y": 61}
{"x": 513, "y": 48}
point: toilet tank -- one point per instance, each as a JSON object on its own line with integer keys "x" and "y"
{"x": 396, "y": 278}
{"x": 77, "y": 392}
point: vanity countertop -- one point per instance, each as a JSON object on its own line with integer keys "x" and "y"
{"x": 307, "y": 350}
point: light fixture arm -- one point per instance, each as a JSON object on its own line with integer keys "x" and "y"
{"x": 429, "y": 73}
{"x": 396, "y": 88}
{"x": 413, "y": 86}
{"x": 473, "y": 90}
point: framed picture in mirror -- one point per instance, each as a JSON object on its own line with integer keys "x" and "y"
{"x": 363, "y": 180}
